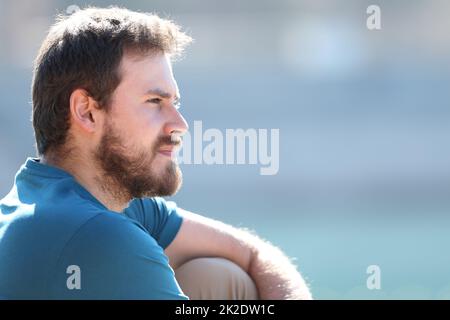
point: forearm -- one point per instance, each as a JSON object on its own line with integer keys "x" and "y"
{"x": 273, "y": 273}
{"x": 275, "y": 276}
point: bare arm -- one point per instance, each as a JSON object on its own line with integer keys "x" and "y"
{"x": 273, "y": 273}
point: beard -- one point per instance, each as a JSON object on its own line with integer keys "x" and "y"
{"x": 128, "y": 174}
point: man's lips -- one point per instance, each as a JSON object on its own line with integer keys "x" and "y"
{"x": 167, "y": 151}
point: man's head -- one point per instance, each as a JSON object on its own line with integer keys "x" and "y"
{"x": 103, "y": 91}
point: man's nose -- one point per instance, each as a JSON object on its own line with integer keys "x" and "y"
{"x": 176, "y": 124}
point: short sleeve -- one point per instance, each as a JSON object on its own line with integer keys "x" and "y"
{"x": 116, "y": 259}
{"x": 159, "y": 217}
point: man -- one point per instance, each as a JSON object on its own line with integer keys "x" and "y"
{"x": 85, "y": 220}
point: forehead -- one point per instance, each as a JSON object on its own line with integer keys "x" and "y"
{"x": 143, "y": 73}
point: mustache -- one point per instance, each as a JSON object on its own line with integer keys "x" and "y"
{"x": 172, "y": 140}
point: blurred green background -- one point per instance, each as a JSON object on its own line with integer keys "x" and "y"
{"x": 363, "y": 115}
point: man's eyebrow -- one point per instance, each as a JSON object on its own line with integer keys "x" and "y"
{"x": 162, "y": 93}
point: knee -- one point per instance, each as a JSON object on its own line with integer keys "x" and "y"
{"x": 215, "y": 279}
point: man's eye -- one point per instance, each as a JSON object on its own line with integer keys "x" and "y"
{"x": 155, "y": 100}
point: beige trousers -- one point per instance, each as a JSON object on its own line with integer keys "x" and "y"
{"x": 215, "y": 279}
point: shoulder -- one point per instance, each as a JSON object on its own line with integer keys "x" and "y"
{"x": 117, "y": 259}
{"x": 161, "y": 218}
{"x": 110, "y": 231}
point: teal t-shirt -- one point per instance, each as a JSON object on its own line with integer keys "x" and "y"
{"x": 59, "y": 242}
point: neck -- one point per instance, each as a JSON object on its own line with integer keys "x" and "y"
{"x": 90, "y": 176}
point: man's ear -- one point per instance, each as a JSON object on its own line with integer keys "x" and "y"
{"x": 84, "y": 110}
